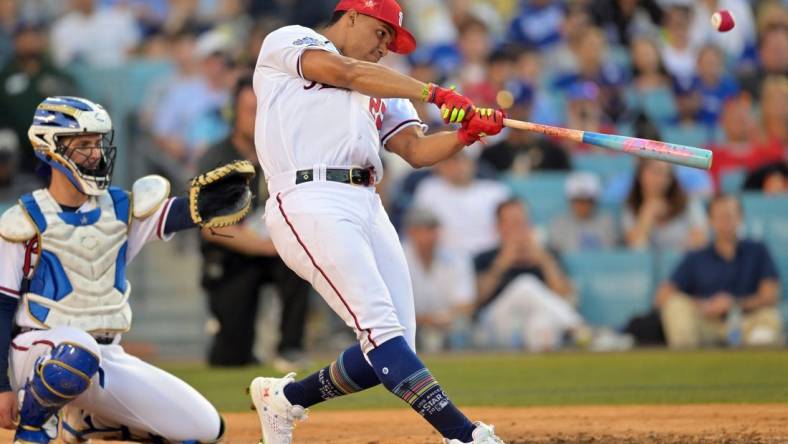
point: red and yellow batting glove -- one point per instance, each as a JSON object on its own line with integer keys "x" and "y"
{"x": 455, "y": 108}
{"x": 483, "y": 122}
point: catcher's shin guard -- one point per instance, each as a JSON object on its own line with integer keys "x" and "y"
{"x": 55, "y": 383}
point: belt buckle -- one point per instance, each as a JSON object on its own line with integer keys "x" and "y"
{"x": 350, "y": 176}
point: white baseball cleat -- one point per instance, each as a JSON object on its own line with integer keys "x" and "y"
{"x": 482, "y": 434}
{"x": 277, "y": 415}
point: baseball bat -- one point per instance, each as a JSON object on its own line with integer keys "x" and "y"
{"x": 649, "y": 149}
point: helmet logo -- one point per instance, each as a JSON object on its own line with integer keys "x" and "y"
{"x": 400, "y": 18}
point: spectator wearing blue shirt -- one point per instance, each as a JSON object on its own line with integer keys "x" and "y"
{"x": 716, "y": 87}
{"x": 538, "y": 24}
{"x": 729, "y": 276}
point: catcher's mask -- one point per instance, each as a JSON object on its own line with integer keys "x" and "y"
{"x": 75, "y": 136}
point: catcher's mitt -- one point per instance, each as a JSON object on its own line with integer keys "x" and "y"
{"x": 221, "y": 197}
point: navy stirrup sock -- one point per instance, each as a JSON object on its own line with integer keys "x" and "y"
{"x": 350, "y": 373}
{"x": 403, "y": 373}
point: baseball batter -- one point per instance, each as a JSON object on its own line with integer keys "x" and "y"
{"x": 325, "y": 109}
{"x": 64, "y": 296}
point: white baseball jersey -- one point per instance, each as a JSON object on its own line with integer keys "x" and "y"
{"x": 336, "y": 236}
{"x": 303, "y": 124}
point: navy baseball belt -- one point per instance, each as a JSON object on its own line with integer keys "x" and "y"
{"x": 352, "y": 176}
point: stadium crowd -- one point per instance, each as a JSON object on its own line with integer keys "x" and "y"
{"x": 503, "y": 238}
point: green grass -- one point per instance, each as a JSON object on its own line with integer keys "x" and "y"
{"x": 640, "y": 377}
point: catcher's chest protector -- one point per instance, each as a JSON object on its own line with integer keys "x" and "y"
{"x": 79, "y": 278}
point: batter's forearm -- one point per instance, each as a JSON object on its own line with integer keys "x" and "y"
{"x": 376, "y": 80}
{"x": 431, "y": 149}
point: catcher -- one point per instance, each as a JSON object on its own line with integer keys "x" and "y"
{"x": 64, "y": 295}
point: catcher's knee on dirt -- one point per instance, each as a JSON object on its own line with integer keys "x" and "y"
{"x": 56, "y": 381}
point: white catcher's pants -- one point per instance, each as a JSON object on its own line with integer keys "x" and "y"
{"x": 126, "y": 391}
{"x": 339, "y": 238}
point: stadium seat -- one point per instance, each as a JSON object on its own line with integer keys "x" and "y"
{"x": 731, "y": 181}
{"x": 613, "y": 285}
{"x": 543, "y": 193}
{"x": 693, "y": 136}
{"x": 665, "y": 263}
{"x": 766, "y": 218}
{"x": 603, "y": 165}
{"x": 781, "y": 260}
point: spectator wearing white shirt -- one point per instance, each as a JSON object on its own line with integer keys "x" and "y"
{"x": 678, "y": 54}
{"x": 584, "y": 227}
{"x": 444, "y": 285}
{"x": 100, "y": 37}
{"x": 464, "y": 205}
{"x": 188, "y": 119}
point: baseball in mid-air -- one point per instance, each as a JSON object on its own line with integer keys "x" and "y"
{"x": 723, "y": 21}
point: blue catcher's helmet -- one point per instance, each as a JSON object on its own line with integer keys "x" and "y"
{"x": 61, "y": 116}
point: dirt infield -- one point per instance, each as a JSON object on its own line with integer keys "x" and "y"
{"x": 686, "y": 424}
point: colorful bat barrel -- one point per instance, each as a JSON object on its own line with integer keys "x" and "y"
{"x": 652, "y": 149}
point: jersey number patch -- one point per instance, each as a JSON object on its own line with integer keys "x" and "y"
{"x": 377, "y": 108}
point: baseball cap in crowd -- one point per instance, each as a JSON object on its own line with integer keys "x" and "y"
{"x": 213, "y": 42}
{"x": 582, "y": 90}
{"x": 582, "y": 185}
{"x": 387, "y": 11}
{"x": 421, "y": 217}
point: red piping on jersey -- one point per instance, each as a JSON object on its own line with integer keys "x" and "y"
{"x": 398, "y": 127}
{"x": 9, "y": 291}
{"x": 31, "y": 247}
{"x": 40, "y": 341}
{"x": 162, "y": 217}
{"x": 323, "y": 273}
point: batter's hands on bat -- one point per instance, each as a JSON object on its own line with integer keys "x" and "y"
{"x": 483, "y": 122}
{"x": 455, "y": 108}
{"x": 8, "y": 410}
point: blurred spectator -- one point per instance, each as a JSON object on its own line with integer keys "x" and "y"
{"x": 525, "y": 151}
{"x": 774, "y": 110}
{"x": 769, "y": 179}
{"x": 678, "y": 54}
{"x": 716, "y": 87}
{"x": 623, "y": 20}
{"x": 584, "y": 111}
{"x": 737, "y": 45}
{"x": 772, "y": 50}
{"x": 538, "y": 24}
{"x": 150, "y": 15}
{"x": 771, "y": 14}
{"x": 474, "y": 45}
{"x": 499, "y": 68}
{"x": 25, "y": 82}
{"x": 464, "y": 205}
{"x": 9, "y": 15}
{"x": 593, "y": 66}
{"x": 430, "y": 21}
{"x": 100, "y": 37}
{"x": 585, "y": 226}
{"x": 577, "y": 22}
{"x": 254, "y": 41}
{"x": 731, "y": 278}
{"x": 523, "y": 292}
{"x": 743, "y": 147}
{"x": 659, "y": 214}
{"x": 444, "y": 287}
{"x": 239, "y": 260}
{"x": 183, "y": 59}
{"x": 189, "y": 118}
{"x": 650, "y": 90}
{"x": 462, "y": 10}
{"x": 13, "y": 183}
